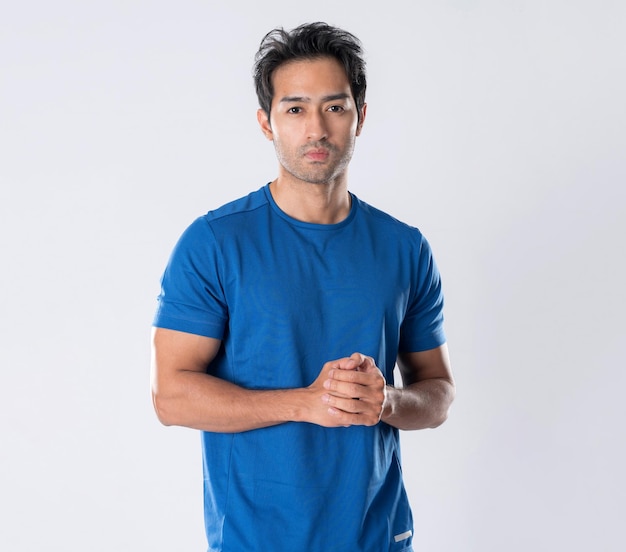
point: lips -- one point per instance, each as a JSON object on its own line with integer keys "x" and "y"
{"x": 317, "y": 154}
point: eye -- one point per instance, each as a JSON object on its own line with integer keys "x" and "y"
{"x": 294, "y": 110}
{"x": 335, "y": 109}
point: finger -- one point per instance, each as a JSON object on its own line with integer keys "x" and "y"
{"x": 366, "y": 363}
{"x": 358, "y": 358}
{"x": 348, "y": 363}
{"x": 358, "y": 361}
{"x": 354, "y": 376}
{"x": 371, "y": 389}
{"x": 351, "y": 383}
{"x": 345, "y": 388}
{"x": 353, "y": 412}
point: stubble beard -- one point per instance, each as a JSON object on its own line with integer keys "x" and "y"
{"x": 315, "y": 172}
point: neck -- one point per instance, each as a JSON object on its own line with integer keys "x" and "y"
{"x": 327, "y": 203}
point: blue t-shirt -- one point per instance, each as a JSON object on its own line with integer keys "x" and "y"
{"x": 286, "y": 296}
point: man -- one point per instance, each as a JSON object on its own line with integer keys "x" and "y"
{"x": 281, "y": 318}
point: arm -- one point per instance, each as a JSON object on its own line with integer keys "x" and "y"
{"x": 422, "y": 403}
{"x": 184, "y": 394}
{"x": 427, "y": 394}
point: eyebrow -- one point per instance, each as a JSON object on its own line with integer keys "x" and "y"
{"x": 305, "y": 99}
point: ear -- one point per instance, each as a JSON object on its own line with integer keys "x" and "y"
{"x": 362, "y": 119}
{"x": 264, "y": 123}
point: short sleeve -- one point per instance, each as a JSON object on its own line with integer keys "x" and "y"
{"x": 422, "y": 327}
{"x": 192, "y": 297}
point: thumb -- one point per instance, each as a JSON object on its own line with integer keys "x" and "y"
{"x": 363, "y": 362}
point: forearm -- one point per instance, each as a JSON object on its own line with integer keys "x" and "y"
{"x": 204, "y": 402}
{"x": 421, "y": 405}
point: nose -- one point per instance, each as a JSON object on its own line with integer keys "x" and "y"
{"x": 316, "y": 128}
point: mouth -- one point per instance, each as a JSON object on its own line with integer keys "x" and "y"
{"x": 317, "y": 154}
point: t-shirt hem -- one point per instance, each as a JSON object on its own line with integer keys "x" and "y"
{"x": 188, "y": 326}
{"x": 417, "y": 345}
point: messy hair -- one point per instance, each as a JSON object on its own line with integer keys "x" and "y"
{"x": 308, "y": 42}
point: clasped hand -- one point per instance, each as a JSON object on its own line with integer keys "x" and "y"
{"x": 353, "y": 391}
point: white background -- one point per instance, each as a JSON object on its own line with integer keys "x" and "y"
{"x": 497, "y": 127}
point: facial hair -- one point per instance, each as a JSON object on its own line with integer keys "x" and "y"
{"x": 315, "y": 172}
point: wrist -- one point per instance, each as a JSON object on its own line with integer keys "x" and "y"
{"x": 391, "y": 395}
{"x": 294, "y": 405}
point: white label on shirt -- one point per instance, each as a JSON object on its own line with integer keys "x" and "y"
{"x": 402, "y": 536}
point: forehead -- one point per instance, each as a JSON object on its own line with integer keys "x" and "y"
{"x": 310, "y": 77}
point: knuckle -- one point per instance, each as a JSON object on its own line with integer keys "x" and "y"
{"x": 372, "y": 420}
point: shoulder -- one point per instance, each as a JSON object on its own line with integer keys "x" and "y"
{"x": 387, "y": 223}
{"x": 239, "y": 207}
{"x": 238, "y": 213}
{"x": 215, "y": 224}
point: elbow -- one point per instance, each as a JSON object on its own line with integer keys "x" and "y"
{"x": 163, "y": 413}
{"x": 444, "y": 411}
{"x": 439, "y": 419}
{"x": 440, "y": 415}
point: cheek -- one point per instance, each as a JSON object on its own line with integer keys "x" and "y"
{"x": 282, "y": 150}
{"x": 279, "y": 134}
{"x": 285, "y": 140}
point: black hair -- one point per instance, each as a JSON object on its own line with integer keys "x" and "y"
{"x": 309, "y": 41}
